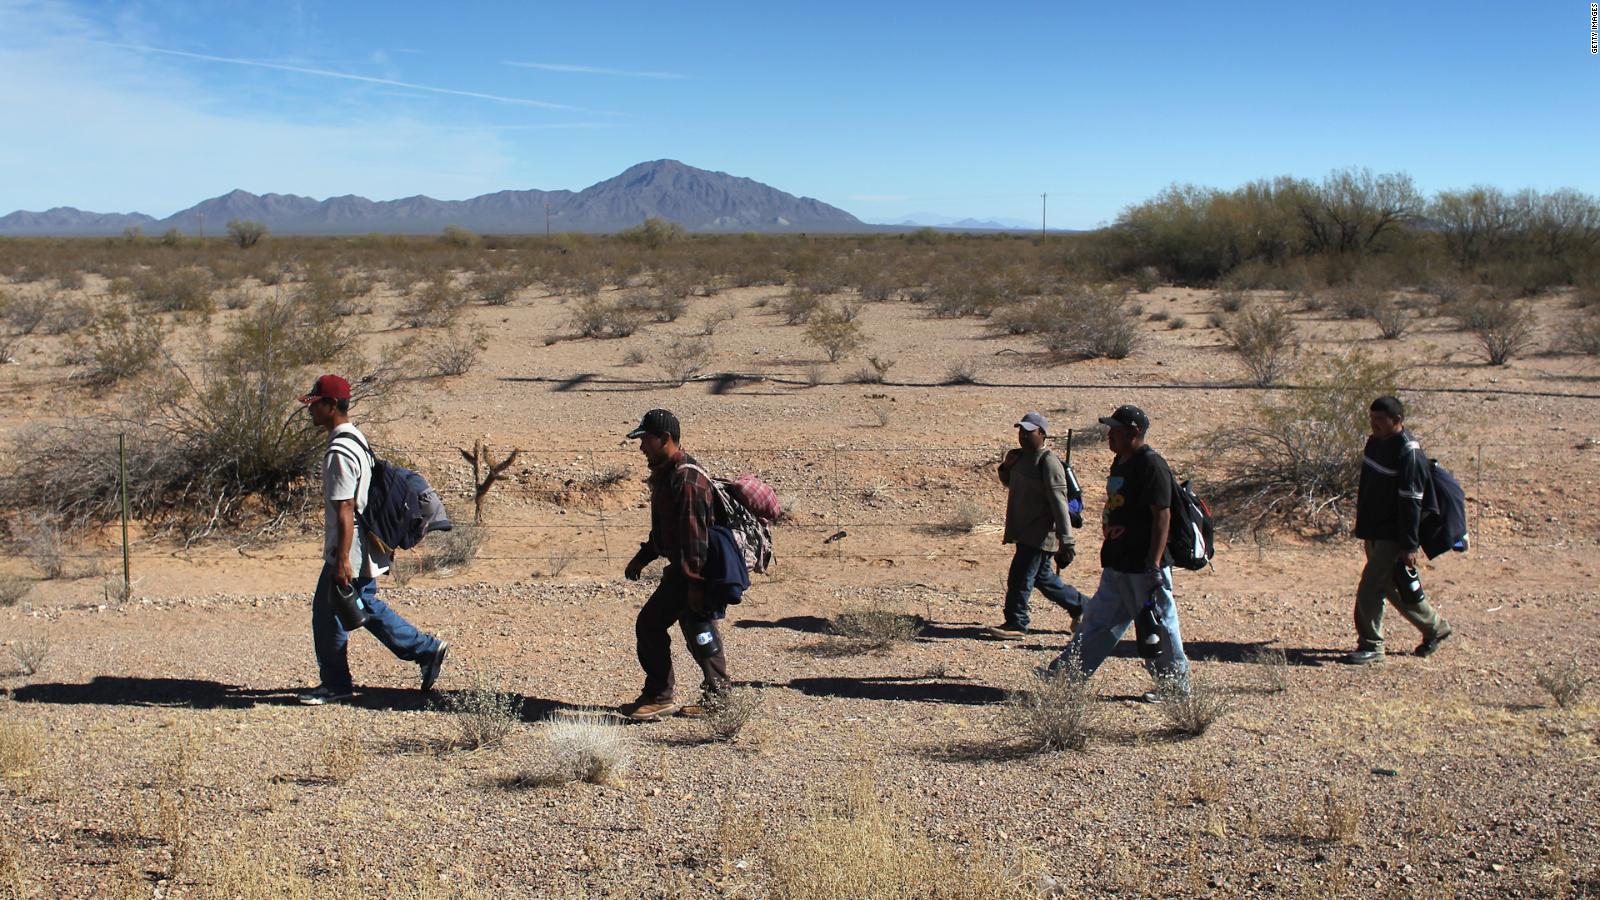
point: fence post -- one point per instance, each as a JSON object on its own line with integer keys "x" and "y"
{"x": 122, "y": 467}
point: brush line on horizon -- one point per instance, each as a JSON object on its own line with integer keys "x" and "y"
{"x": 592, "y": 70}
{"x": 326, "y": 73}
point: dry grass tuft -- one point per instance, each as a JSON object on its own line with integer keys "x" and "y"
{"x": 485, "y": 712}
{"x": 19, "y": 748}
{"x": 866, "y": 848}
{"x": 343, "y": 757}
{"x": 1057, "y": 712}
{"x": 30, "y": 652}
{"x": 1565, "y": 683}
{"x": 729, "y": 713}
{"x": 1273, "y": 665}
{"x": 13, "y": 588}
{"x": 595, "y": 748}
{"x": 1191, "y": 712}
{"x": 872, "y": 628}
{"x": 1339, "y": 822}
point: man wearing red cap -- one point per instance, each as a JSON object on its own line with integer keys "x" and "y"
{"x": 348, "y": 561}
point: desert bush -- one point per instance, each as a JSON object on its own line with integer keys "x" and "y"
{"x": 1177, "y": 323}
{"x": 729, "y": 712}
{"x": 1159, "y": 315}
{"x": 1274, "y": 665}
{"x": 635, "y": 356}
{"x": 19, "y": 750}
{"x": 343, "y": 757}
{"x": 246, "y": 232}
{"x": 436, "y": 305}
{"x": 587, "y": 747}
{"x": 799, "y": 305}
{"x": 1089, "y": 323}
{"x": 835, "y": 333}
{"x": 485, "y": 712}
{"x": 1265, "y": 339}
{"x": 186, "y": 289}
{"x": 454, "y": 352}
{"x": 118, "y": 346}
{"x": 453, "y": 549}
{"x": 882, "y": 413}
{"x": 714, "y": 318}
{"x": 1146, "y": 279}
{"x": 873, "y": 628}
{"x": 597, "y": 318}
{"x": 653, "y": 233}
{"x": 1583, "y": 336}
{"x": 30, "y": 652}
{"x": 1565, "y": 683}
{"x": 1354, "y": 301}
{"x": 1505, "y": 330}
{"x": 1055, "y": 712}
{"x": 1228, "y": 301}
{"x": 24, "y": 311}
{"x": 1193, "y": 708}
{"x": 497, "y": 288}
{"x": 865, "y": 848}
{"x": 1295, "y": 463}
{"x": 814, "y": 375}
{"x": 684, "y": 358}
{"x": 1392, "y": 318}
{"x": 13, "y": 588}
{"x": 962, "y": 371}
{"x": 43, "y": 543}
{"x": 9, "y": 347}
{"x": 456, "y": 236}
{"x": 236, "y": 300}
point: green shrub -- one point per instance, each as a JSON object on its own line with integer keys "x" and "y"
{"x": 835, "y": 333}
{"x": 1266, "y": 340}
{"x": 119, "y": 346}
{"x": 246, "y": 232}
{"x": 436, "y": 305}
{"x": 186, "y": 289}
{"x": 1503, "y": 331}
{"x": 1088, "y": 323}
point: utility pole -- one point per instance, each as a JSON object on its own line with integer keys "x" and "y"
{"x": 547, "y": 218}
{"x": 202, "y": 217}
{"x": 1044, "y": 200}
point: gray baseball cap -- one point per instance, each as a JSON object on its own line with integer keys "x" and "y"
{"x": 1032, "y": 422}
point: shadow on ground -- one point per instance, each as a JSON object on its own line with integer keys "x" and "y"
{"x": 902, "y": 688}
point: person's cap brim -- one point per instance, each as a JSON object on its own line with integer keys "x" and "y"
{"x": 1113, "y": 423}
{"x": 1027, "y": 426}
{"x": 309, "y": 399}
{"x": 637, "y": 433}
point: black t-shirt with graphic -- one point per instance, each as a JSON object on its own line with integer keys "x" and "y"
{"x": 1131, "y": 490}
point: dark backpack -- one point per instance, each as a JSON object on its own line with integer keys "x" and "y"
{"x": 1444, "y": 513}
{"x": 1190, "y": 540}
{"x": 749, "y": 531}
{"x": 401, "y": 507}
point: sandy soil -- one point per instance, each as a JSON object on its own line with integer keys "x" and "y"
{"x": 1461, "y": 777}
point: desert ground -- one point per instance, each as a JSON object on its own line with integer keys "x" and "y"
{"x": 157, "y": 749}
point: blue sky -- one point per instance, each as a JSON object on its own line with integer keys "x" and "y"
{"x": 883, "y": 109}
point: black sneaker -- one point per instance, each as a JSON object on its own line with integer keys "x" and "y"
{"x": 1362, "y": 658}
{"x": 1426, "y": 648}
{"x": 323, "y": 695}
{"x": 430, "y": 669}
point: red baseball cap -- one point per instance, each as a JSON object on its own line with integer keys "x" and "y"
{"x": 330, "y": 387}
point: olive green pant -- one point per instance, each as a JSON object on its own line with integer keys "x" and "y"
{"x": 1377, "y": 584}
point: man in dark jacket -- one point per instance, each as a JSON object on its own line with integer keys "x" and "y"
{"x": 1394, "y": 476}
{"x": 1037, "y": 521}
{"x": 681, "y": 516}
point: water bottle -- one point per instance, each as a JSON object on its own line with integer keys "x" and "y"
{"x": 1408, "y": 584}
{"x": 703, "y": 641}
{"x": 1147, "y": 630}
{"x": 1074, "y": 499}
{"x": 347, "y": 606}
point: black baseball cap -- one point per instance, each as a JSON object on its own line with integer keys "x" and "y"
{"x": 657, "y": 422}
{"x": 1127, "y": 416}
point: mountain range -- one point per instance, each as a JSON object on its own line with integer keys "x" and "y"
{"x": 697, "y": 199}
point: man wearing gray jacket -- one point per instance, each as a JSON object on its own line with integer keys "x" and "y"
{"x": 1037, "y": 522}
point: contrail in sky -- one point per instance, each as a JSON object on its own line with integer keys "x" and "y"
{"x": 593, "y": 70}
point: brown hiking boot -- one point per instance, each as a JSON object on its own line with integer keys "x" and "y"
{"x": 1007, "y": 630}
{"x": 649, "y": 712}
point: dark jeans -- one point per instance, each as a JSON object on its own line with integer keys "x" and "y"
{"x": 667, "y": 606}
{"x": 1032, "y": 568}
{"x": 332, "y": 641}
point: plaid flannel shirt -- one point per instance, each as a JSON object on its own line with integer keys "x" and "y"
{"x": 682, "y": 511}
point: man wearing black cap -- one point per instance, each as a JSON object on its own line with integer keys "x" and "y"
{"x": 681, "y": 516}
{"x": 1037, "y": 521}
{"x": 1135, "y": 576}
{"x": 348, "y": 561}
{"x": 1394, "y": 475}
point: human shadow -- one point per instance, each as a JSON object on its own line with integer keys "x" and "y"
{"x": 193, "y": 693}
{"x": 900, "y": 688}
{"x": 803, "y": 624}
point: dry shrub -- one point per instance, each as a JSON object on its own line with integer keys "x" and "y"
{"x": 30, "y": 652}
{"x": 497, "y": 288}
{"x": 1564, "y": 683}
{"x": 186, "y": 289}
{"x": 965, "y": 518}
{"x": 8, "y": 348}
{"x": 25, "y": 311}
{"x": 1193, "y": 708}
{"x": 1342, "y": 812}
{"x": 1228, "y": 300}
{"x": 1354, "y": 301}
{"x": 1059, "y": 711}
{"x": 43, "y": 543}
{"x": 594, "y": 317}
{"x": 436, "y": 305}
{"x": 1583, "y": 336}
{"x": 246, "y": 232}
{"x": 596, "y": 748}
{"x": 867, "y": 848}
{"x": 1266, "y": 340}
{"x": 714, "y": 318}
{"x": 960, "y": 372}
{"x": 1504, "y": 331}
{"x": 19, "y": 748}
{"x": 684, "y": 358}
{"x": 1293, "y": 464}
{"x": 872, "y": 628}
{"x": 118, "y": 346}
{"x": 485, "y": 712}
{"x": 729, "y": 712}
{"x": 343, "y": 757}
{"x": 1274, "y": 666}
{"x": 13, "y": 588}
{"x": 1088, "y": 322}
{"x": 799, "y": 305}
{"x": 836, "y": 333}
{"x": 453, "y": 549}
{"x": 455, "y": 352}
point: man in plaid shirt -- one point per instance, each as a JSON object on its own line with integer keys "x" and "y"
{"x": 681, "y": 516}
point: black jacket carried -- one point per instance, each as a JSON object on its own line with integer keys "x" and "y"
{"x": 1394, "y": 477}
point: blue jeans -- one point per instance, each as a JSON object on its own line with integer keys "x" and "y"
{"x": 332, "y": 641}
{"x": 1109, "y": 613}
{"x": 1031, "y": 568}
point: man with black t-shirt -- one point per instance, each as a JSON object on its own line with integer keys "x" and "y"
{"x": 1136, "y": 575}
{"x": 1394, "y": 475}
